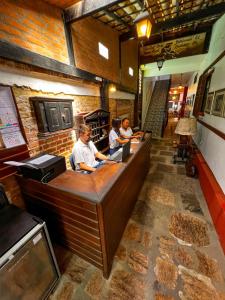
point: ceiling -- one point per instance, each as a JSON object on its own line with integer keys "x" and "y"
{"x": 62, "y": 3}
{"x": 181, "y": 79}
{"x": 121, "y": 16}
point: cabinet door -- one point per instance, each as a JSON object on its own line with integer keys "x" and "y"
{"x": 66, "y": 114}
{"x": 53, "y": 116}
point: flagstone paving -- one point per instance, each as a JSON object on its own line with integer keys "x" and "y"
{"x": 169, "y": 249}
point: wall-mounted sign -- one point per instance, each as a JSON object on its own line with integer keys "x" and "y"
{"x": 185, "y": 46}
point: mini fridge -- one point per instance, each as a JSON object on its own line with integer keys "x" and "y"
{"x": 28, "y": 268}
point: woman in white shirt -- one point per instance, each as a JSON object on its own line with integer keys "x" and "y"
{"x": 114, "y": 137}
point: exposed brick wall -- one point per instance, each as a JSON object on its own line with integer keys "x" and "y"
{"x": 121, "y": 107}
{"x": 34, "y": 25}
{"x": 59, "y": 143}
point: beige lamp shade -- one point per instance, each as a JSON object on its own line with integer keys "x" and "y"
{"x": 186, "y": 126}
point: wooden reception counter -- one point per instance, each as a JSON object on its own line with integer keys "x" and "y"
{"x": 88, "y": 213}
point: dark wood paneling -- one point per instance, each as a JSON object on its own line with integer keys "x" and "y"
{"x": 87, "y": 33}
{"x": 129, "y": 58}
{"x": 85, "y": 8}
{"x": 16, "y": 153}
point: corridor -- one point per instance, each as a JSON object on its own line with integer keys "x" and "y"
{"x": 169, "y": 250}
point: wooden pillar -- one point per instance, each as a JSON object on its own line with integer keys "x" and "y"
{"x": 104, "y": 95}
{"x": 183, "y": 102}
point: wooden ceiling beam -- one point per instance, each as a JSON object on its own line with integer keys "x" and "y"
{"x": 116, "y": 18}
{"x": 86, "y": 8}
{"x": 210, "y": 11}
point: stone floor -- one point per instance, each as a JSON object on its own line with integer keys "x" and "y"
{"x": 169, "y": 249}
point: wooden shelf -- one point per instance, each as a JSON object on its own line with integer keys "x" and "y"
{"x": 101, "y": 139}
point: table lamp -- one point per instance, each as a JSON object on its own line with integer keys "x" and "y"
{"x": 186, "y": 128}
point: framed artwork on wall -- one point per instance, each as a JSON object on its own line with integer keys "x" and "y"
{"x": 219, "y": 103}
{"x": 209, "y": 101}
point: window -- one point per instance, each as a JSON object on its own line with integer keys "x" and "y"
{"x": 103, "y": 50}
{"x": 131, "y": 71}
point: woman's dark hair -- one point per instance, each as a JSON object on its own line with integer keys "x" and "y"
{"x": 116, "y": 123}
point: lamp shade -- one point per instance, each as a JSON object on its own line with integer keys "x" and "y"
{"x": 186, "y": 126}
{"x": 160, "y": 63}
{"x": 143, "y": 25}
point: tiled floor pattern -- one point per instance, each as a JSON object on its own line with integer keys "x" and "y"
{"x": 169, "y": 250}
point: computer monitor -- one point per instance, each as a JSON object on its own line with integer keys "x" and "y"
{"x": 126, "y": 151}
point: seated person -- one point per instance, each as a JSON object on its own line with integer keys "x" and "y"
{"x": 84, "y": 151}
{"x": 114, "y": 137}
{"x": 126, "y": 132}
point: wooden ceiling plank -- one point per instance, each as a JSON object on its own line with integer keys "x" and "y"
{"x": 214, "y": 10}
{"x": 86, "y": 8}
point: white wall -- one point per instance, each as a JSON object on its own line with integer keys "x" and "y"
{"x": 175, "y": 66}
{"x": 211, "y": 145}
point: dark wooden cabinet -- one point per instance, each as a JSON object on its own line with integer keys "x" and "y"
{"x": 98, "y": 120}
{"x": 53, "y": 114}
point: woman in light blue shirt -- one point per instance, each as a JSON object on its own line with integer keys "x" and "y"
{"x": 114, "y": 137}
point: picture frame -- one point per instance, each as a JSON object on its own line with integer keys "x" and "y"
{"x": 219, "y": 103}
{"x": 209, "y": 102}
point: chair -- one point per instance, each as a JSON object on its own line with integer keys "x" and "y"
{"x": 72, "y": 162}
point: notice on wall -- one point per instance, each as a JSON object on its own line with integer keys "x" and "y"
{"x": 10, "y": 132}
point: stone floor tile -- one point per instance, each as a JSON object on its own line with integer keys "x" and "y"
{"x": 154, "y": 151}
{"x": 167, "y": 246}
{"x": 95, "y": 285}
{"x": 132, "y": 232}
{"x": 138, "y": 262}
{"x": 165, "y": 168}
{"x": 182, "y": 257}
{"x": 147, "y": 240}
{"x": 65, "y": 290}
{"x": 196, "y": 286}
{"x": 163, "y": 297}
{"x": 126, "y": 286}
{"x": 191, "y": 203}
{"x": 189, "y": 228}
{"x": 181, "y": 170}
{"x": 76, "y": 269}
{"x": 155, "y": 178}
{"x": 121, "y": 253}
{"x": 166, "y": 273}
{"x": 167, "y": 153}
{"x": 161, "y": 195}
{"x": 209, "y": 267}
{"x": 143, "y": 214}
{"x": 158, "y": 158}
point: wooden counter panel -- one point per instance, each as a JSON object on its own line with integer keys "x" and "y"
{"x": 88, "y": 213}
{"x": 57, "y": 188}
{"x": 73, "y": 248}
{"x": 119, "y": 203}
{"x": 93, "y": 254}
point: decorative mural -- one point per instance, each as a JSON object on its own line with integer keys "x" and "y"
{"x": 185, "y": 46}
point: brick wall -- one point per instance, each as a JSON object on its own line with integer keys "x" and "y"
{"x": 35, "y": 26}
{"x": 59, "y": 143}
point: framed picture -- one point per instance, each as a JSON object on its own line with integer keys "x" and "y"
{"x": 209, "y": 101}
{"x": 218, "y": 103}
